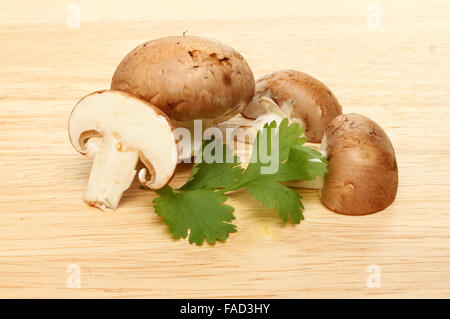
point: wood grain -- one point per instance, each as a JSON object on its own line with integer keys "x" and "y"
{"x": 397, "y": 74}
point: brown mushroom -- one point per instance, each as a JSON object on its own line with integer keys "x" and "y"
{"x": 297, "y": 96}
{"x": 131, "y": 129}
{"x": 189, "y": 78}
{"x": 362, "y": 173}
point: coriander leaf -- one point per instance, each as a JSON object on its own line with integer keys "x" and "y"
{"x": 274, "y": 195}
{"x": 288, "y": 136}
{"x": 201, "y": 211}
{"x": 304, "y": 163}
{"x": 198, "y": 209}
{"x": 295, "y": 162}
{"x": 253, "y": 170}
{"x": 214, "y": 174}
{"x": 271, "y": 139}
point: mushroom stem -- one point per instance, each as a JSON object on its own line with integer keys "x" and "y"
{"x": 266, "y": 111}
{"x": 112, "y": 173}
{"x": 249, "y": 133}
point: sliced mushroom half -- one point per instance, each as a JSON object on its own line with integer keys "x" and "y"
{"x": 131, "y": 129}
{"x": 362, "y": 168}
{"x": 362, "y": 173}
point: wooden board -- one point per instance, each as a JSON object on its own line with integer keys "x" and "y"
{"x": 397, "y": 72}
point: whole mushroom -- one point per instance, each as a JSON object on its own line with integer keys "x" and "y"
{"x": 189, "y": 78}
{"x": 362, "y": 173}
{"x": 131, "y": 129}
{"x": 297, "y": 96}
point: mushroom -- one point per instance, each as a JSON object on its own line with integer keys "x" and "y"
{"x": 362, "y": 173}
{"x": 297, "y": 96}
{"x": 131, "y": 129}
{"x": 189, "y": 78}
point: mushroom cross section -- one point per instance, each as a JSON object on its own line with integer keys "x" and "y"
{"x": 131, "y": 129}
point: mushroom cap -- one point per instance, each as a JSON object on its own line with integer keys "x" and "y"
{"x": 138, "y": 125}
{"x": 188, "y": 77}
{"x": 362, "y": 169}
{"x": 301, "y": 97}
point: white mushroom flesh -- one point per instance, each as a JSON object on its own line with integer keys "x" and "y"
{"x": 112, "y": 173}
{"x": 131, "y": 129}
{"x": 268, "y": 111}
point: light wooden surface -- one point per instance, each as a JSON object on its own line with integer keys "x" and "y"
{"x": 398, "y": 74}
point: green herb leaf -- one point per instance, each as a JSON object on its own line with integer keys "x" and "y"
{"x": 217, "y": 174}
{"x": 198, "y": 207}
{"x": 304, "y": 164}
{"x": 278, "y": 196}
{"x": 295, "y": 162}
{"x": 200, "y": 211}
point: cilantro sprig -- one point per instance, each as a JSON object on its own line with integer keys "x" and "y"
{"x": 197, "y": 208}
